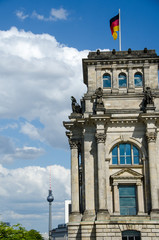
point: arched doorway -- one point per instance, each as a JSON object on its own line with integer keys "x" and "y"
{"x": 131, "y": 235}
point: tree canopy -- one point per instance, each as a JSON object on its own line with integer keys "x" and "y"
{"x": 17, "y": 232}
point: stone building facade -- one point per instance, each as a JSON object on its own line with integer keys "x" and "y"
{"x": 113, "y": 136}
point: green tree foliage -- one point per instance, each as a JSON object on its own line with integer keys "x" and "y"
{"x": 17, "y": 232}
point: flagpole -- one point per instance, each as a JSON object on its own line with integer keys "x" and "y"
{"x": 119, "y": 32}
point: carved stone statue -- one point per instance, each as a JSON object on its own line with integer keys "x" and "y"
{"x": 99, "y": 95}
{"x": 75, "y": 106}
{"x": 148, "y": 96}
{"x": 147, "y": 101}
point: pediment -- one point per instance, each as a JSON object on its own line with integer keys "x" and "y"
{"x": 126, "y": 173}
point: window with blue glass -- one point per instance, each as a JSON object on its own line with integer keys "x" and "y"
{"x": 135, "y": 155}
{"x": 122, "y": 80}
{"x": 138, "y": 80}
{"x": 106, "y": 81}
{"x": 127, "y": 199}
{"x": 125, "y": 153}
{"x": 115, "y": 155}
{"x": 131, "y": 235}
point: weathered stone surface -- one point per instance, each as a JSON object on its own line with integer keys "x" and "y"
{"x": 116, "y": 116}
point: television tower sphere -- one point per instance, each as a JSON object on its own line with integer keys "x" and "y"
{"x": 50, "y": 198}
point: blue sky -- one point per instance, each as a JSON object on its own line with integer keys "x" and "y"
{"x": 42, "y": 44}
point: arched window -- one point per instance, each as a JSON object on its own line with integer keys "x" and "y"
{"x": 125, "y": 153}
{"x": 122, "y": 80}
{"x": 131, "y": 235}
{"x": 138, "y": 79}
{"x": 106, "y": 81}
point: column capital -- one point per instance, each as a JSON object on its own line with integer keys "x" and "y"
{"x": 138, "y": 184}
{"x": 151, "y": 136}
{"x": 73, "y": 143}
{"x": 115, "y": 183}
{"x": 100, "y": 137}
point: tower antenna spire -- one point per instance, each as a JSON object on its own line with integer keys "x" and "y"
{"x": 50, "y": 199}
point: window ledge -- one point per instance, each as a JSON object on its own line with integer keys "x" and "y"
{"x": 126, "y": 166}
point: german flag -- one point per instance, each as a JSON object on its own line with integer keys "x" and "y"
{"x": 114, "y": 26}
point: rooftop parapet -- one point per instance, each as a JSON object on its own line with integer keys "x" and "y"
{"x": 107, "y": 55}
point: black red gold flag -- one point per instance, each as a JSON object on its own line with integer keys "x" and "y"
{"x": 114, "y": 26}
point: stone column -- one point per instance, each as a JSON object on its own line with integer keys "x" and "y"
{"x": 98, "y": 76}
{"x": 75, "y": 214}
{"x": 108, "y": 196}
{"x": 140, "y": 198}
{"x": 146, "y": 75}
{"x": 116, "y": 198}
{"x": 115, "y": 87}
{"x": 151, "y": 137}
{"x": 102, "y": 212}
{"x": 130, "y": 80}
{"x": 89, "y": 152}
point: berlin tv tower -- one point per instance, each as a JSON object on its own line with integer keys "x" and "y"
{"x": 50, "y": 199}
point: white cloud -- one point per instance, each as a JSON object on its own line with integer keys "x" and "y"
{"x": 21, "y": 15}
{"x": 7, "y": 126}
{"x": 30, "y": 130}
{"x": 23, "y": 194}
{"x": 55, "y": 14}
{"x": 28, "y": 152}
{"x": 8, "y": 152}
{"x": 39, "y": 16}
{"x": 38, "y": 77}
{"x": 59, "y": 13}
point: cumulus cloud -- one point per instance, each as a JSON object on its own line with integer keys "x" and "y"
{"x": 38, "y": 76}
{"x": 23, "y": 194}
{"x": 30, "y": 130}
{"x": 9, "y": 152}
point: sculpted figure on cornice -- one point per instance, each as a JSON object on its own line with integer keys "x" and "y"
{"x": 76, "y": 108}
{"x": 99, "y": 100}
{"x": 148, "y": 98}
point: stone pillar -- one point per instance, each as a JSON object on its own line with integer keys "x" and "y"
{"x": 75, "y": 214}
{"x": 115, "y": 87}
{"x": 140, "y": 198}
{"x": 130, "y": 80}
{"x": 89, "y": 147}
{"x": 116, "y": 198}
{"x": 102, "y": 211}
{"x": 146, "y": 75}
{"x": 99, "y": 82}
{"x": 91, "y": 78}
{"x": 108, "y": 195}
{"x": 151, "y": 137}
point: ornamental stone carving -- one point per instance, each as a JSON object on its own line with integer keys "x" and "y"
{"x": 76, "y": 108}
{"x": 151, "y": 136}
{"x": 73, "y": 143}
{"x": 99, "y": 99}
{"x": 100, "y": 137}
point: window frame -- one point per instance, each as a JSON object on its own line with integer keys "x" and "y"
{"x": 128, "y": 199}
{"x": 106, "y": 80}
{"x": 122, "y": 74}
{"x": 135, "y": 156}
{"x": 131, "y": 233}
{"x": 141, "y": 75}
